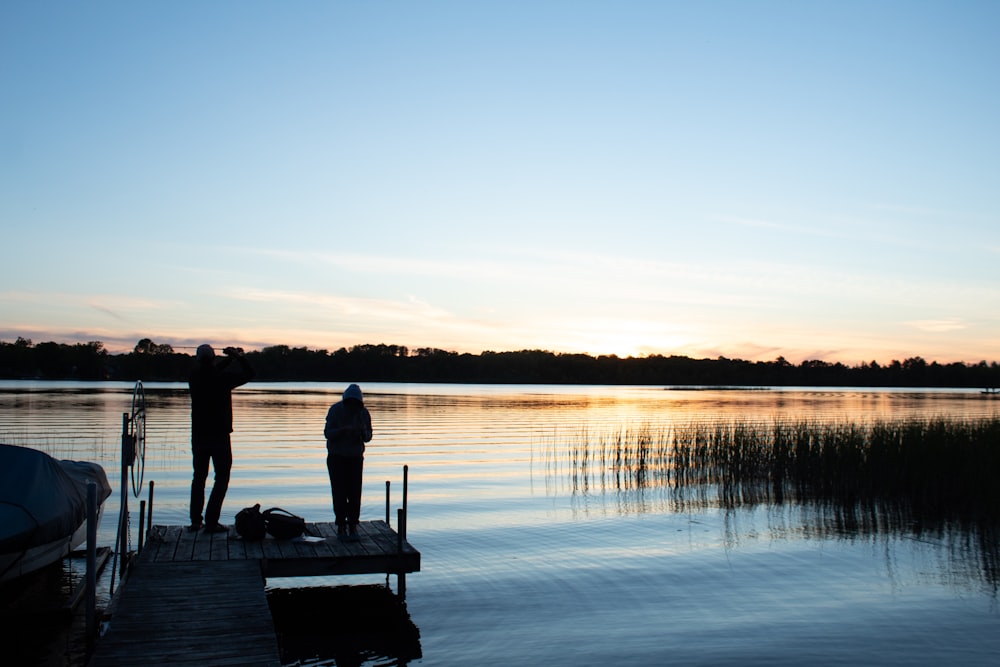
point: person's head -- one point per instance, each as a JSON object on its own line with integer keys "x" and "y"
{"x": 205, "y": 354}
{"x": 353, "y": 393}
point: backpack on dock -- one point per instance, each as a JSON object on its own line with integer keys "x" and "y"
{"x": 282, "y": 524}
{"x": 251, "y": 523}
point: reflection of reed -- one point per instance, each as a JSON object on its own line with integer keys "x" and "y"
{"x": 626, "y": 459}
{"x": 919, "y": 477}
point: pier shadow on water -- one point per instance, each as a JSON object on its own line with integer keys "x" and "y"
{"x": 343, "y": 626}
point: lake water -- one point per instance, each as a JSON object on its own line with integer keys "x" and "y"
{"x": 523, "y": 562}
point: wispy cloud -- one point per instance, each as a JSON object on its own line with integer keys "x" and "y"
{"x": 384, "y": 264}
{"x": 937, "y": 326}
{"x": 784, "y": 227}
{"x": 922, "y": 211}
{"x": 113, "y": 305}
{"x": 331, "y": 305}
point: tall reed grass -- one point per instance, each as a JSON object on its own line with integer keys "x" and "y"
{"x": 922, "y": 478}
{"x": 933, "y": 468}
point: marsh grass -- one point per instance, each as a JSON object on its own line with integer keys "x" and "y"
{"x": 924, "y": 479}
{"x": 925, "y": 468}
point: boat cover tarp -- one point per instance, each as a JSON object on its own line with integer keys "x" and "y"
{"x": 42, "y": 499}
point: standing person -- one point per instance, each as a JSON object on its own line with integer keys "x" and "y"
{"x": 211, "y": 387}
{"x": 348, "y": 428}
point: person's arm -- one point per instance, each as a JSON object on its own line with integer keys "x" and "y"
{"x": 245, "y": 372}
{"x": 333, "y": 428}
{"x": 366, "y": 426}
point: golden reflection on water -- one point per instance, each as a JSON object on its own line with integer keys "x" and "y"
{"x": 490, "y": 424}
{"x": 449, "y": 430}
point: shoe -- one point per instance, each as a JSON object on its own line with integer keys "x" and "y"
{"x": 194, "y": 528}
{"x": 216, "y": 528}
{"x": 353, "y": 536}
{"x": 341, "y": 532}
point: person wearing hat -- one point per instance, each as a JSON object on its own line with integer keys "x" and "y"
{"x": 348, "y": 428}
{"x": 211, "y": 386}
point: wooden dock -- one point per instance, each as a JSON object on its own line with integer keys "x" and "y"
{"x": 197, "y": 598}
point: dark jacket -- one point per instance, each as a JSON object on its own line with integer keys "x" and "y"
{"x": 211, "y": 398}
{"x": 348, "y": 428}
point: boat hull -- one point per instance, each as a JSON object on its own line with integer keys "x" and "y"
{"x": 43, "y": 508}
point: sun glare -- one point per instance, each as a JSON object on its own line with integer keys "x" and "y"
{"x": 635, "y": 338}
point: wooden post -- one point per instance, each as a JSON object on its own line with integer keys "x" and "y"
{"x": 142, "y": 525}
{"x": 401, "y": 520}
{"x": 387, "y": 522}
{"x": 149, "y": 517}
{"x": 91, "y": 564}
{"x": 123, "y": 509}
{"x": 406, "y": 471}
{"x": 401, "y": 576}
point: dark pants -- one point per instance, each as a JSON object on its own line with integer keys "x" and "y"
{"x": 217, "y": 450}
{"x": 345, "y": 482}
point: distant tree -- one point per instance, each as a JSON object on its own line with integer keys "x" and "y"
{"x": 147, "y": 346}
{"x": 397, "y": 363}
{"x": 17, "y": 360}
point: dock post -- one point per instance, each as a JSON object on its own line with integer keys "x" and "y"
{"x": 91, "y": 564}
{"x": 123, "y": 535}
{"x": 149, "y": 510}
{"x": 400, "y": 538}
{"x": 142, "y": 525}
{"x": 406, "y": 483}
{"x": 400, "y": 530}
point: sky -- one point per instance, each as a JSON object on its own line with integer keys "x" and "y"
{"x": 747, "y": 179}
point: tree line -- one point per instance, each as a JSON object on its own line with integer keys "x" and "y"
{"x": 150, "y": 361}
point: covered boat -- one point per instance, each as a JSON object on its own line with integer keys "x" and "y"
{"x": 43, "y": 508}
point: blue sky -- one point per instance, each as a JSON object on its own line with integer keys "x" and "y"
{"x": 813, "y": 180}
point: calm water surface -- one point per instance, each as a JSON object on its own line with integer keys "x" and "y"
{"x": 525, "y": 563}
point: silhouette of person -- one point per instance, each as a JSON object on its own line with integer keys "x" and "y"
{"x": 348, "y": 428}
{"x": 211, "y": 386}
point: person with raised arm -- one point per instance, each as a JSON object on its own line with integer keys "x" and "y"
{"x": 211, "y": 385}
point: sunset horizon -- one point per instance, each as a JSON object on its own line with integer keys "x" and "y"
{"x": 125, "y": 345}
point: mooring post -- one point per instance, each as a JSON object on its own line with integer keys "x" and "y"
{"x": 401, "y": 537}
{"x": 91, "y": 564}
{"x": 142, "y": 525}
{"x": 149, "y": 511}
{"x": 123, "y": 509}
{"x": 387, "y": 522}
{"x": 400, "y": 528}
{"x": 406, "y": 483}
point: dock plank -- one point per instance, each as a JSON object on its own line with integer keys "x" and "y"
{"x": 380, "y": 537}
{"x": 377, "y": 544}
{"x": 220, "y": 545}
{"x": 252, "y": 548}
{"x": 188, "y": 613}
